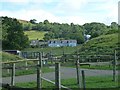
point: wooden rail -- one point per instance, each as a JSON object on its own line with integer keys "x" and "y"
{"x": 23, "y": 60}
{"x": 54, "y": 83}
{"x": 81, "y": 64}
{"x": 10, "y": 67}
{"x": 57, "y": 82}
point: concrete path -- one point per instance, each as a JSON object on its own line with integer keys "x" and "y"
{"x": 66, "y": 73}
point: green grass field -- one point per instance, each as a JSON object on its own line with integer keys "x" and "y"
{"x": 54, "y": 50}
{"x": 33, "y": 35}
{"x": 91, "y": 82}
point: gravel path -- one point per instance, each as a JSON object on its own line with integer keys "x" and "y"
{"x": 66, "y": 72}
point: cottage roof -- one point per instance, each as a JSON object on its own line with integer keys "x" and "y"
{"x": 63, "y": 41}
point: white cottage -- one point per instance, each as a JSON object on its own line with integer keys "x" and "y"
{"x": 59, "y": 43}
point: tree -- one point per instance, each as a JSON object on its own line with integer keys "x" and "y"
{"x": 95, "y": 29}
{"x": 46, "y": 22}
{"x": 49, "y": 36}
{"x": 27, "y": 26}
{"x": 114, "y": 25}
{"x": 13, "y": 35}
{"x": 77, "y": 36}
{"x": 33, "y": 21}
{"x": 113, "y": 28}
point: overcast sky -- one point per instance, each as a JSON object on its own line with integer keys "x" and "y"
{"x": 62, "y": 11}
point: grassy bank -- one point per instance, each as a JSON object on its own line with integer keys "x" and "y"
{"x": 9, "y": 57}
{"x": 102, "y": 45}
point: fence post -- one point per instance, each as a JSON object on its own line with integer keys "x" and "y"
{"x": 26, "y": 64}
{"x": 13, "y": 75}
{"x": 78, "y": 72}
{"x": 57, "y": 76}
{"x": 83, "y": 80}
{"x": 37, "y": 57}
{"x": 27, "y": 55}
{"x": 51, "y": 57}
{"x": 43, "y": 54}
{"x": 63, "y": 57}
{"x": 114, "y": 66}
{"x": 8, "y": 70}
{"x": 39, "y": 72}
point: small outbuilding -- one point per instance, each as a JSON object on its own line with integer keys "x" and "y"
{"x": 15, "y": 52}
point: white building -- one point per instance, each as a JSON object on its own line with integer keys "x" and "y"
{"x": 59, "y": 43}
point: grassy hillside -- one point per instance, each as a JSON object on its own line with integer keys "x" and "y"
{"x": 101, "y": 45}
{"x": 9, "y": 57}
{"x": 23, "y": 21}
{"x": 33, "y": 35}
{"x": 104, "y": 44}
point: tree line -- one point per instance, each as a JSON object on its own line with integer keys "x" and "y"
{"x": 71, "y": 31}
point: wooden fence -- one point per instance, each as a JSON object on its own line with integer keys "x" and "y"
{"x": 80, "y": 80}
{"x": 39, "y": 72}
